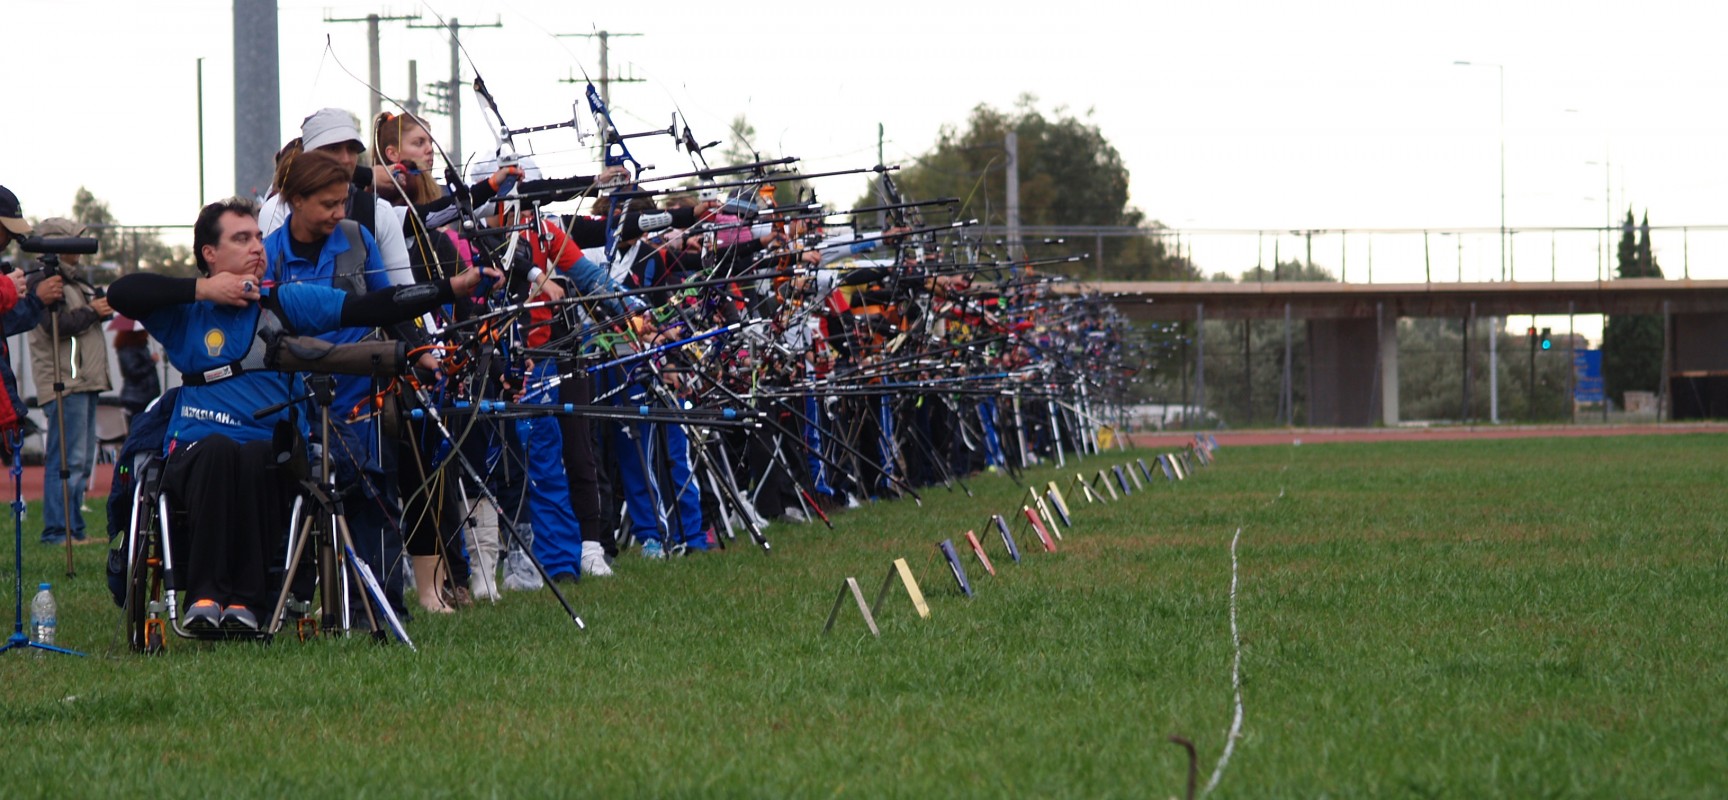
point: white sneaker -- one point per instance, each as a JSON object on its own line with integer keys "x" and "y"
{"x": 794, "y": 515}
{"x": 594, "y": 560}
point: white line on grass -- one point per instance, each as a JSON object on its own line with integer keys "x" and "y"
{"x": 1235, "y": 675}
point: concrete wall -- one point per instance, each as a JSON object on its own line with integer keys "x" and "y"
{"x": 1343, "y": 372}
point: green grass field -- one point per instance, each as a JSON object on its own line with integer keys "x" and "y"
{"x": 1519, "y": 618}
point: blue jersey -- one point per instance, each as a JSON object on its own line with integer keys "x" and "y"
{"x": 287, "y": 269}
{"x": 204, "y": 336}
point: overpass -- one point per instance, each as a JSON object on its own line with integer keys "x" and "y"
{"x": 1352, "y": 342}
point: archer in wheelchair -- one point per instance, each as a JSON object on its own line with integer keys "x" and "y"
{"x": 224, "y": 458}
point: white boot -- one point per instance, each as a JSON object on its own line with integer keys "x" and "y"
{"x": 519, "y": 572}
{"x": 482, "y": 530}
{"x": 594, "y": 560}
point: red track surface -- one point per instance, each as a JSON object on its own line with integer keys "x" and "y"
{"x": 95, "y": 497}
{"x": 1323, "y": 435}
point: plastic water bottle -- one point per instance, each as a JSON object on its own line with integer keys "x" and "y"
{"x": 44, "y": 617}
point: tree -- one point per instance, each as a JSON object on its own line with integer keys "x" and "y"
{"x": 94, "y": 213}
{"x": 127, "y": 247}
{"x": 1291, "y": 270}
{"x": 1632, "y": 343}
{"x": 742, "y": 148}
{"x": 1070, "y": 175}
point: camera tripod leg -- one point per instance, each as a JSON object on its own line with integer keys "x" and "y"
{"x": 289, "y": 574}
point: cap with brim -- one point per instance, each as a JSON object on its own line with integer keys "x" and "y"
{"x": 11, "y": 215}
{"x": 328, "y": 126}
{"x": 60, "y": 227}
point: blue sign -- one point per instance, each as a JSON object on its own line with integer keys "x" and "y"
{"x": 1587, "y": 374}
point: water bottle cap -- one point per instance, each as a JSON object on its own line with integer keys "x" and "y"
{"x": 42, "y": 586}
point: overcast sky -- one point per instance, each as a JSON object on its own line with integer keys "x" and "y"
{"x": 1324, "y": 114}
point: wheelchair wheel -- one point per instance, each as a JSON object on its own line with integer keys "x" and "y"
{"x": 146, "y": 630}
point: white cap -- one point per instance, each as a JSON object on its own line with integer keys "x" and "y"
{"x": 329, "y": 126}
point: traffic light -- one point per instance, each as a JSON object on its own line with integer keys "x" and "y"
{"x": 1547, "y": 340}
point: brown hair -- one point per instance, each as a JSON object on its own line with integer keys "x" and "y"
{"x": 387, "y": 131}
{"x": 137, "y": 337}
{"x": 284, "y": 160}
{"x": 311, "y": 173}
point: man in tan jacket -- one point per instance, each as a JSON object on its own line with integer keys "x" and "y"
{"x": 82, "y": 374}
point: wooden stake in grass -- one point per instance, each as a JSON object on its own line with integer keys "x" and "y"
{"x": 1061, "y": 502}
{"x": 851, "y": 584}
{"x": 1049, "y": 518}
{"x": 903, "y": 571}
{"x": 1056, "y": 505}
{"x": 1086, "y": 491}
{"x": 946, "y": 548}
{"x": 1136, "y": 476}
{"x": 978, "y": 550}
{"x": 1038, "y": 528}
{"x": 1007, "y": 538}
{"x": 1107, "y": 486}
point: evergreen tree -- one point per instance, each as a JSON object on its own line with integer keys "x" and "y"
{"x": 1632, "y": 343}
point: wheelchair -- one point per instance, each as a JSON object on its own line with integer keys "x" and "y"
{"x": 152, "y": 592}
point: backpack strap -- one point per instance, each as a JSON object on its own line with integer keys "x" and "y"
{"x": 350, "y": 273}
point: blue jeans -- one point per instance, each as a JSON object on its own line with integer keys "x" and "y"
{"x": 638, "y": 453}
{"x": 80, "y": 414}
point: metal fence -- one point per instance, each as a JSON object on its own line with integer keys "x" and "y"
{"x": 1408, "y": 255}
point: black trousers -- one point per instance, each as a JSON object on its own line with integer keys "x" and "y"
{"x": 236, "y": 507}
{"x": 580, "y": 463}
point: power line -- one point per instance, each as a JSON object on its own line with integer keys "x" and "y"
{"x": 374, "y": 74}
{"x": 451, "y": 91}
{"x": 606, "y": 79}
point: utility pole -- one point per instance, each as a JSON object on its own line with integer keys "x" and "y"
{"x": 413, "y": 103}
{"x": 373, "y": 72}
{"x": 881, "y": 216}
{"x": 200, "y": 131}
{"x": 606, "y": 79}
{"x": 1011, "y": 143}
{"x": 452, "y": 90}
{"x": 257, "y": 97}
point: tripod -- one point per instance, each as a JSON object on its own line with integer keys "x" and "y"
{"x": 51, "y": 263}
{"x": 18, "y": 641}
{"x": 326, "y": 523}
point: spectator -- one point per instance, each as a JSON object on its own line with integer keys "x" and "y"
{"x": 70, "y": 372}
{"x": 139, "y": 383}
